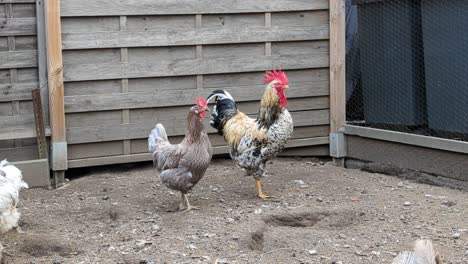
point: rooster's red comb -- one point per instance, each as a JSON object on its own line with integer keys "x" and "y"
{"x": 201, "y": 102}
{"x": 275, "y": 75}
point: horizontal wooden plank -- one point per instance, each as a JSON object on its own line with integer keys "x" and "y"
{"x": 18, "y": 59}
{"x": 87, "y": 103}
{"x": 17, "y": 26}
{"x": 20, "y": 133}
{"x": 203, "y": 36}
{"x": 170, "y": 7}
{"x": 17, "y": 1}
{"x": 295, "y": 143}
{"x": 16, "y": 91}
{"x": 406, "y": 138}
{"x": 311, "y": 151}
{"x": 141, "y": 145}
{"x": 21, "y": 121}
{"x": 17, "y": 133}
{"x": 79, "y": 135}
{"x": 163, "y": 68}
{"x": 144, "y": 115}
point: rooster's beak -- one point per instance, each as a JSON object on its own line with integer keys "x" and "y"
{"x": 286, "y": 86}
{"x": 207, "y": 110}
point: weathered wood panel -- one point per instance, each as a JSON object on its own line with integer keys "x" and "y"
{"x": 90, "y": 134}
{"x": 203, "y": 36}
{"x": 163, "y": 68}
{"x": 314, "y": 145}
{"x": 168, "y": 7}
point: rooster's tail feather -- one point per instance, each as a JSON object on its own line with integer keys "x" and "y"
{"x": 158, "y": 134}
{"x": 225, "y": 107}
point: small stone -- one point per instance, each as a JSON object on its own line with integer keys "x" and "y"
{"x": 105, "y": 198}
{"x": 312, "y": 252}
{"x": 235, "y": 237}
{"x": 346, "y": 246}
{"x": 207, "y": 258}
{"x": 299, "y": 182}
{"x": 230, "y": 220}
{"x": 375, "y": 253}
{"x": 156, "y": 227}
{"x": 319, "y": 199}
{"x": 466, "y": 253}
{"x": 209, "y": 235}
{"x": 418, "y": 227}
{"x": 322, "y": 163}
{"x": 456, "y": 235}
{"x": 406, "y": 203}
{"x": 192, "y": 247}
{"x": 342, "y": 236}
{"x": 400, "y": 184}
{"x": 258, "y": 211}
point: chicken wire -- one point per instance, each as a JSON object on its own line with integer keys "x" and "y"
{"x": 407, "y": 66}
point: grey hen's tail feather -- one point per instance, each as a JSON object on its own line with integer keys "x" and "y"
{"x": 224, "y": 109}
{"x": 158, "y": 135}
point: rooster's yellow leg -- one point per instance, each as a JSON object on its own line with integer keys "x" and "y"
{"x": 261, "y": 195}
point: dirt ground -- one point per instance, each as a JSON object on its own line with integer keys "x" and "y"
{"x": 323, "y": 214}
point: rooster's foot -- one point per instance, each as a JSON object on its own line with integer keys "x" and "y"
{"x": 260, "y": 193}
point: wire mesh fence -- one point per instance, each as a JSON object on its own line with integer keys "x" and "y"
{"x": 407, "y": 66}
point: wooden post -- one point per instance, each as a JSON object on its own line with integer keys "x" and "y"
{"x": 337, "y": 80}
{"x": 56, "y": 91}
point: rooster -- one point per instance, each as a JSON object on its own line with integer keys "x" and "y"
{"x": 253, "y": 142}
{"x": 423, "y": 254}
{"x": 181, "y": 166}
{"x": 11, "y": 182}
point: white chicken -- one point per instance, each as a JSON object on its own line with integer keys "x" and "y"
{"x": 11, "y": 182}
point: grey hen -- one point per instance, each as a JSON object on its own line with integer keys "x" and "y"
{"x": 182, "y": 165}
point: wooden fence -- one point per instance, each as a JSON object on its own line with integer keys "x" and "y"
{"x": 20, "y": 46}
{"x": 130, "y": 64}
{"x": 116, "y": 67}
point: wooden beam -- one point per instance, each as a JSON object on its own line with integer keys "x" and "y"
{"x": 337, "y": 80}
{"x": 406, "y": 138}
{"x": 337, "y": 65}
{"x": 56, "y": 90}
{"x": 199, "y": 36}
{"x": 170, "y": 7}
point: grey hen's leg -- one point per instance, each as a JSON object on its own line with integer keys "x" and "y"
{"x": 179, "y": 179}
